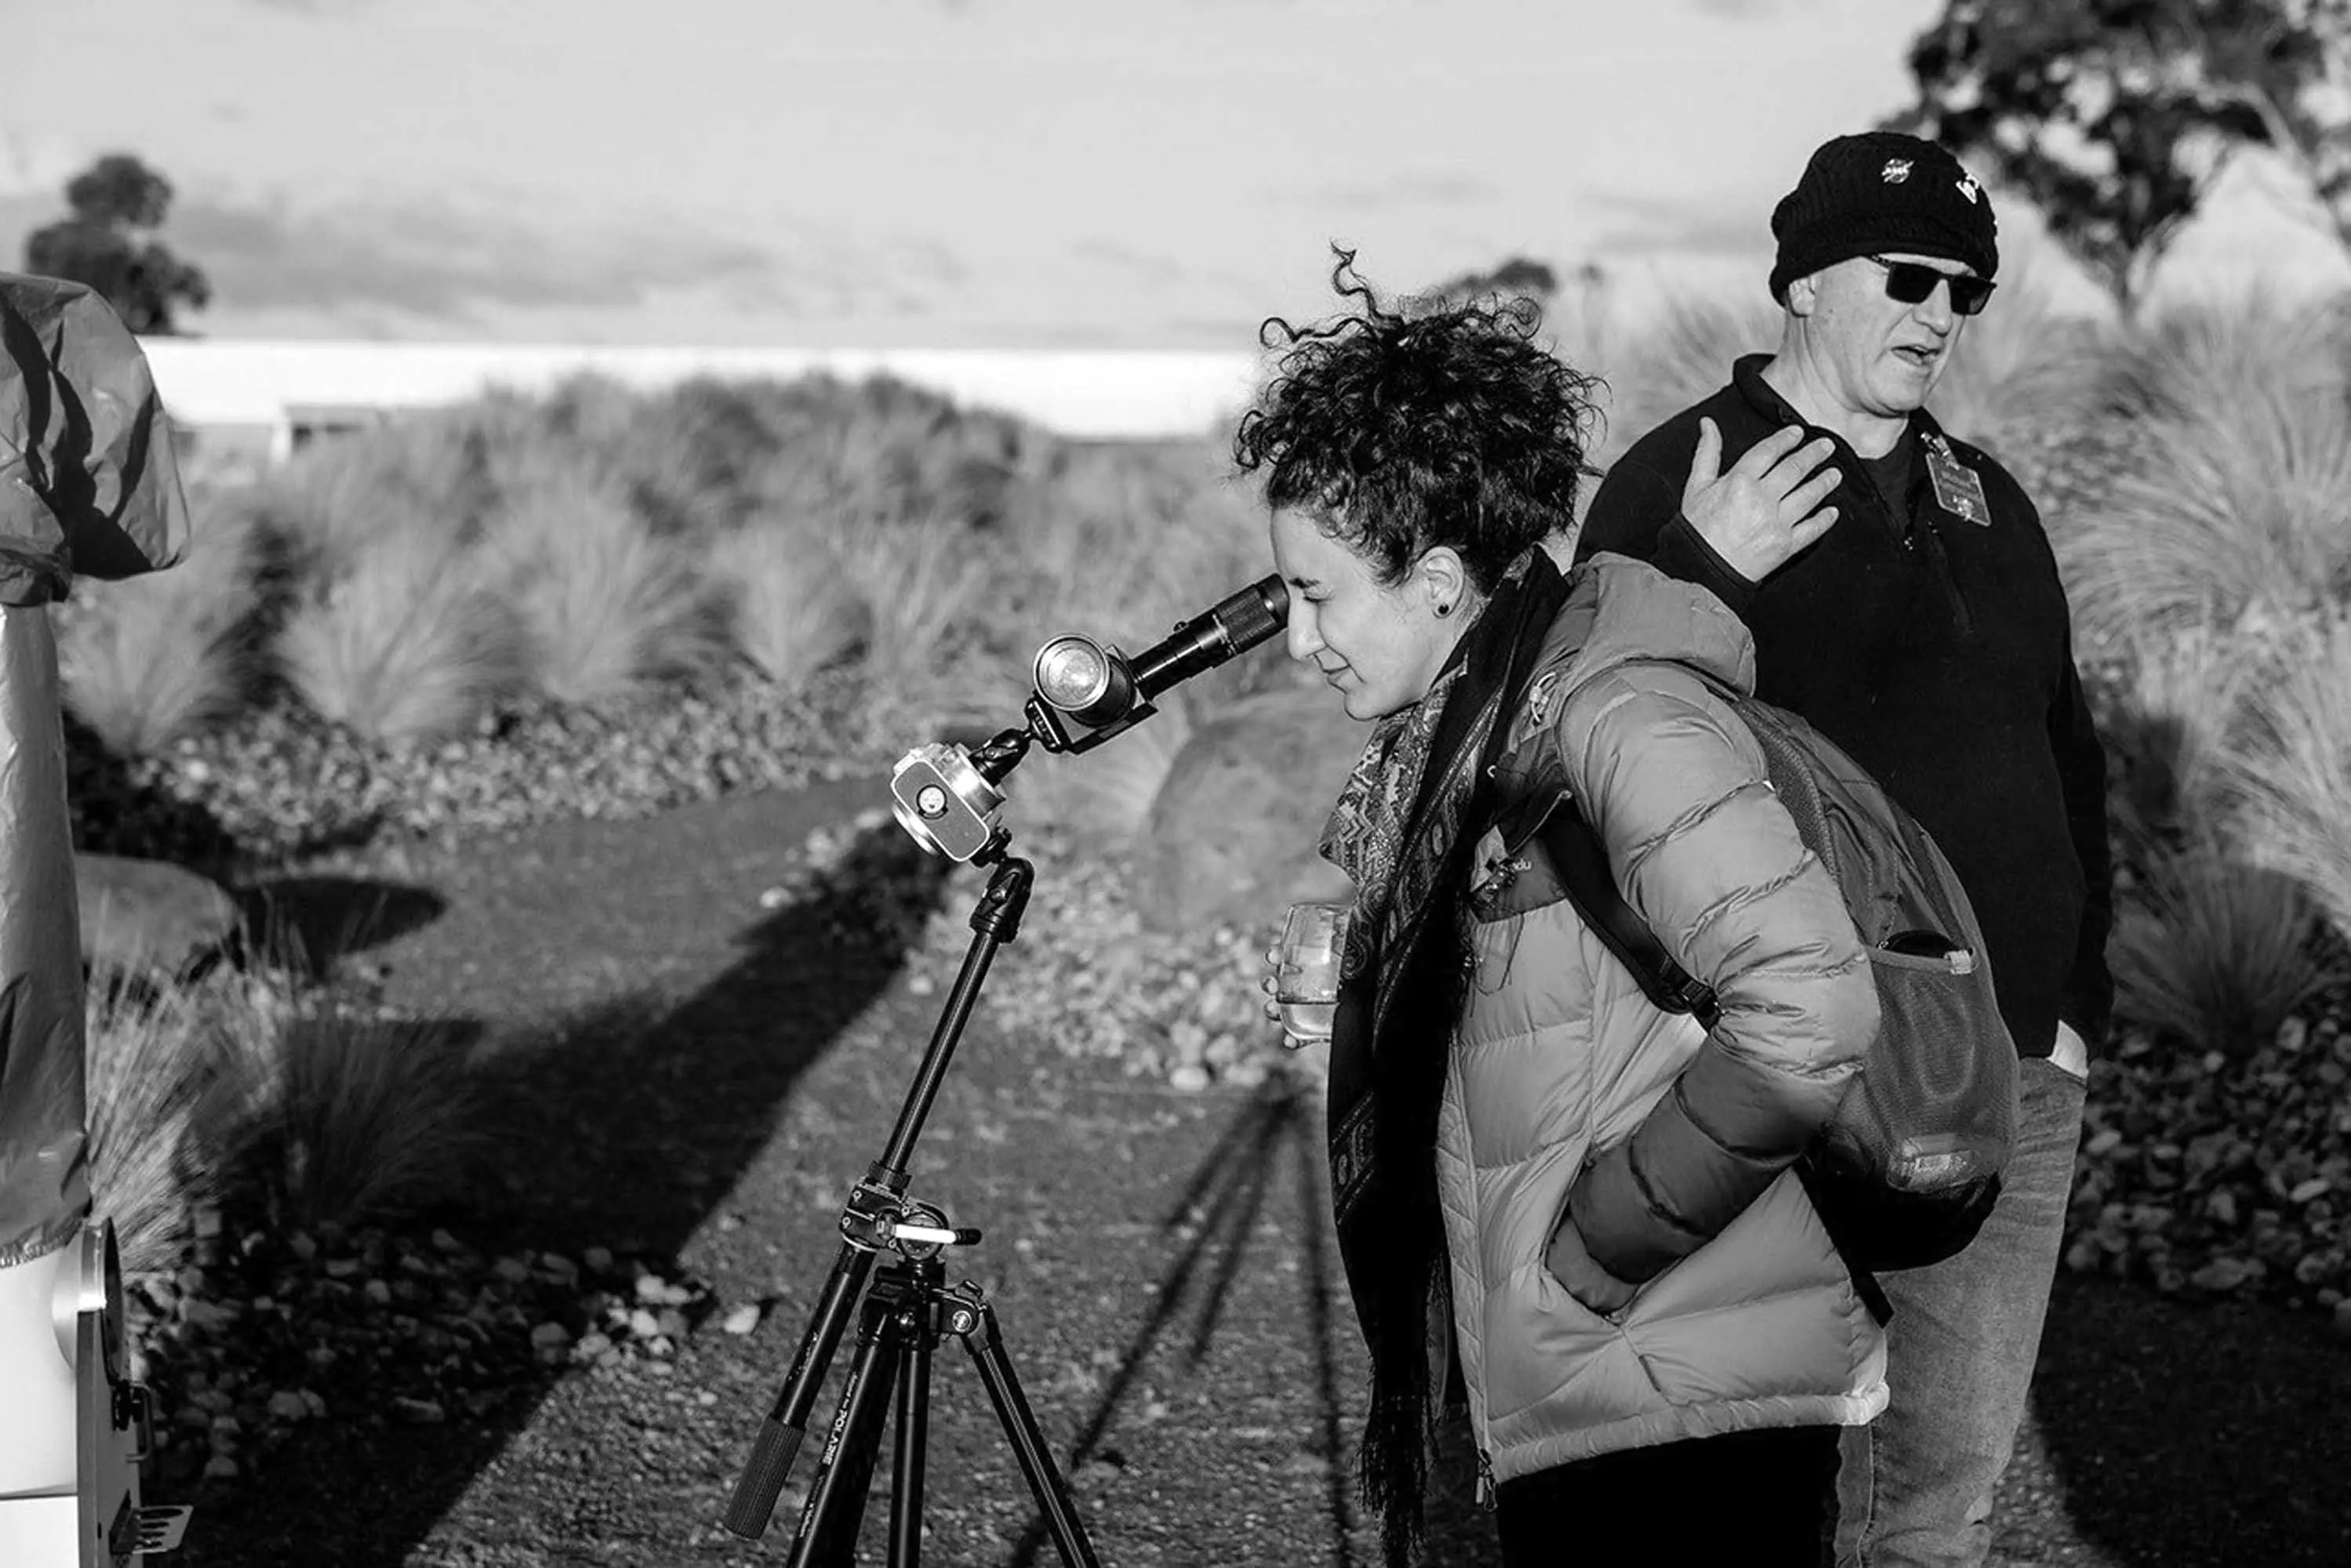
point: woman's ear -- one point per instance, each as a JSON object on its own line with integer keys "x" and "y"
{"x": 1444, "y": 581}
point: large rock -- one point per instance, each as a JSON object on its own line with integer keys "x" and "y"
{"x": 142, "y": 915}
{"x": 1230, "y": 838}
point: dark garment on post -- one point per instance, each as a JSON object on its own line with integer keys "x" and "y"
{"x": 1940, "y": 656}
{"x": 1763, "y": 1499}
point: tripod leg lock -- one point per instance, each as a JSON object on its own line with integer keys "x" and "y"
{"x": 964, "y": 1311}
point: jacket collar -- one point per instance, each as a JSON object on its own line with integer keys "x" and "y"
{"x": 1763, "y": 399}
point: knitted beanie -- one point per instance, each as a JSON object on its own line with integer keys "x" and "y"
{"x": 1882, "y": 191}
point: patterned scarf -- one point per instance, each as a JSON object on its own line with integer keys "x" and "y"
{"x": 1404, "y": 826}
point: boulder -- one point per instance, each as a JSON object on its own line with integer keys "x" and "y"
{"x": 143, "y": 915}
{"x": 1230, "y": 837}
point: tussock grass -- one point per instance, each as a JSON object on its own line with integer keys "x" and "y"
{"x": 2291, "y": 783}
{"x": 2024, "y": 372}
{"x": 405, "y": 645}
{"x": 2234, "y": 522}
{"x": 1678, "y": 356}
{"x": 794, "y": 611}
{"x": 147, "y": 660}
{"x": 2170, "y": 728}
{"x": 2216, "y": 951}
{"x": 2245, "y": 357}
{"x": 418, "y": 473}
{"x": 152, "y": 1062}
{"x": 339, "y": 1116}
{"x": 604, "y": 607}
{"x": 921, "y": 586}
{"x": 1104, "y": 796}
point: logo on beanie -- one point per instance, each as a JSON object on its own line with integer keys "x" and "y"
{"x": 1896, "y": 169}
{"x": 1967, "y": 186}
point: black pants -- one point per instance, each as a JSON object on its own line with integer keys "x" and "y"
{"x": 1757, "y": 1499}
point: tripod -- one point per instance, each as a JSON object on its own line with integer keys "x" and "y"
{"x": 908, "y": 1310}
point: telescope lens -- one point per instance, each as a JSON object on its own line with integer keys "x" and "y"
{"x": 1073, "y": 672}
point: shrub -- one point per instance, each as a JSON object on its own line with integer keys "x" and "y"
{"x": 149, "y": 659}
{"x": 341, "y": 496}
{"x": 604, "y": 607}
{"x": 2244, "y": 356}
{"x": 1677, "y": 355}
{"x": 2024, "y": 373}
{"x": 919, "y": 584}
{"x": 152, "y": 1056}
{"x": 336, "y": 1117}
{"x": 2169, "y": 725}
{"x": 2215, "y": 951}
{"x": 794, "y": 611}
{"x": 405, "y": 644}
{"x": 2292, "y": 782}
{"x": 2228, "y": 522}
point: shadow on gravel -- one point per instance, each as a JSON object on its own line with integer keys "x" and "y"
{"x": 312, "y": 920}
{"x": 1209, "y": 1226}
{"x": 622, "y": 1129}
{"x": 2190, "y": 1434}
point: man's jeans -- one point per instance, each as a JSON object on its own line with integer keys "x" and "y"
{"x": 1915, "y": 1488}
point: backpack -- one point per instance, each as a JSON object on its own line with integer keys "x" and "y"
{"x": 1909, "y": 1164}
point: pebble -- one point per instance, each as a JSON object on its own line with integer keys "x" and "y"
{"x": 741, "y": 1320}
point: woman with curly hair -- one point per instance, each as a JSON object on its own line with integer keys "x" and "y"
{"x": 1556, "y": 1202}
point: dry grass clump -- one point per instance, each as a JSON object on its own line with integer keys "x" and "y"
{"x": 204, "y": 1089}
{"x": 151, "y": 1058}
{"x": 147, "y": 660}
{"x": 2025, "y": 372}
{"x": 2290, "y": 784}
{"x": 605, "y": 607}
{"x": 2215, "y": 951}
{"x": 2231, "y": 522}
{"x": 794, "y": 611}
{"x": 404, "y": 645}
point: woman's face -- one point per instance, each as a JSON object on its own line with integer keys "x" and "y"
{"x": 1382, "y": 647}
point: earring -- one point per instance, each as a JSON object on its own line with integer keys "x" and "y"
{"x": 1445, "y": 609}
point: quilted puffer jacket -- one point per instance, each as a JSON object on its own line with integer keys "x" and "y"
{"x": 1569, "y": 1094}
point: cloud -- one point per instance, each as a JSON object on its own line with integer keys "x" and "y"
{"x": 1649, "y": 225}
{"x": 1142, "y": 266}
{"x": 1411, "y": 188}
{"x": 439, "y": 257}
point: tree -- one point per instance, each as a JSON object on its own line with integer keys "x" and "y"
{"x": 108, "y": 243}
{"x": 1516, "y": 276}
{"x": 2116, "y": 115}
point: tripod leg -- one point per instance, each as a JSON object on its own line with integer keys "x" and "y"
{"x": 916, "y": 1337}
{"x": 827, "y": 1537}
{"x": 970, "y": 1316}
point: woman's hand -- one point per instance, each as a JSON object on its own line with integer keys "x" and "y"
{"x": 1585, "y": 1279}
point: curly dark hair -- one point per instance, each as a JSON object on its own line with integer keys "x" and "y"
{"x": 1449, "y": 427}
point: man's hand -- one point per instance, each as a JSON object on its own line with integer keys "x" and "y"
{"x": 1767, "y": 506}
{"x": 1585, "y": 1279}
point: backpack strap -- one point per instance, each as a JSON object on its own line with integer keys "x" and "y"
{"x": 1580, "y": 863}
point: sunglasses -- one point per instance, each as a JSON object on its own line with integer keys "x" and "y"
{"x": 1908, "y": 282}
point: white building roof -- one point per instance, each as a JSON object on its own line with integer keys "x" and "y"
{"x": 1084, "y": 393}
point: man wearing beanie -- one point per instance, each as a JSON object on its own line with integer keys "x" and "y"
{"x": 1902, "y": 598}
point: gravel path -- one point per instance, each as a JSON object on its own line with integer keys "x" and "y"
{"x": 696, "y": 1043}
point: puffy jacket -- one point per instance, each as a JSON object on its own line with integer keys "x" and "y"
{"x": 1564, "y": 1079}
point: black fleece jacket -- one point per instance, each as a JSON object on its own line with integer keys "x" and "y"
{"x": 1939, "y": 653}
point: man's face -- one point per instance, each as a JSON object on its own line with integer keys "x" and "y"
{"x": 1880, "y": 355}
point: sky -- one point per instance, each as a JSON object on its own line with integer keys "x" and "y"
{"x": 925, "y": 173}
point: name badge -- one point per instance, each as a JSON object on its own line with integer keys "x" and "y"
{"x": 1958, "y": 489}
